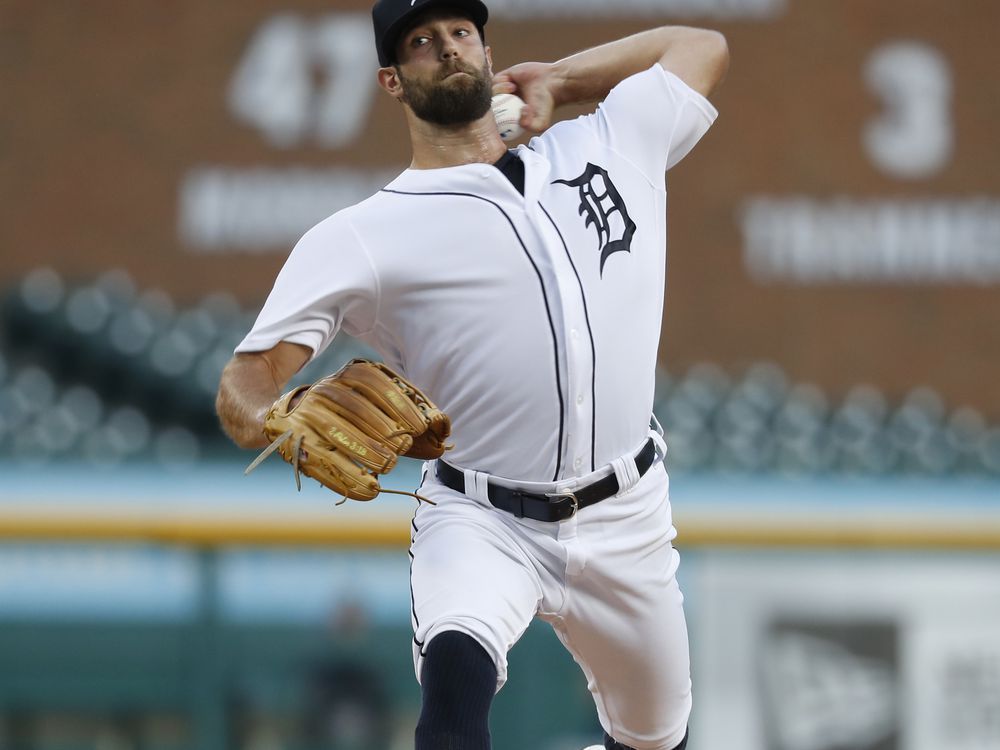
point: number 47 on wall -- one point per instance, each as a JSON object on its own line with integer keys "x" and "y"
{"x": 306, "y": 80}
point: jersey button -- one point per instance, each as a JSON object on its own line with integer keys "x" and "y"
{"x": 578, "y": 463}
{"x": 579, "y": 399}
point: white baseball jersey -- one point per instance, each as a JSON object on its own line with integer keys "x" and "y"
{"x": 534, "y": 320}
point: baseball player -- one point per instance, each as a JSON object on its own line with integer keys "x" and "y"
{"x": 522, "y": 291}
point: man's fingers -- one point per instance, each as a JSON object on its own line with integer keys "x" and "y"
{"x": 503, "y": 84}
{"x": 536, "y": 117}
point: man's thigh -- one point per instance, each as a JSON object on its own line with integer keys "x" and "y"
{"x": 470, "y": 575}
{"x": 624, "y": 623}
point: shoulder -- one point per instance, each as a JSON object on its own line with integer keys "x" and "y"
{"x": 651, "y": 120}
{"x": 653, "y": 90}
{"x": 335, "y": 236}
{"x": 348, "y": 220}
{"x": 652, "y": 94}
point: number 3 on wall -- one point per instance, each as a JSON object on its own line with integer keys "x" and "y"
{"x": 914, "y": 135}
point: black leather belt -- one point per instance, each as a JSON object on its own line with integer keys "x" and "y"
{"x": 555, "y": 506}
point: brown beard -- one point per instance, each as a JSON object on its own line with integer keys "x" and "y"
{"x": 450, "y": 103}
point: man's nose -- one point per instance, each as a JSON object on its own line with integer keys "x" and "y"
{"x": 449, "y": 48}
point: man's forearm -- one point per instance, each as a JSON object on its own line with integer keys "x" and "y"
{"x": 246, "y": 392}
{"x": 588, "y": 76}
{"x": 250, "y": 384}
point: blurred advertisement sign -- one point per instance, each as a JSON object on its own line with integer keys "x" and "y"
{"x": 857, "y": 240}
{"x": 828, "y": 686}
{"x": 956, "y": 683}
{"x": 817, "y": 651}
{"x": 301, "y": 82}
{"x": 227, "y": 209}
{"x": 802, "y": 240}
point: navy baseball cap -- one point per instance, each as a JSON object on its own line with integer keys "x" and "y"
{"x": 391, "y": 18}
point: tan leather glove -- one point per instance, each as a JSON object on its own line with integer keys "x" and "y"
{"x": 350, "y": 427}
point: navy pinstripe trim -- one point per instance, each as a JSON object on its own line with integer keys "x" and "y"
{"x": 545, "y": 298}
{"x": 413, "y": 600}
{"x": 413, "y": 609}
{"x": 593, "y": 346}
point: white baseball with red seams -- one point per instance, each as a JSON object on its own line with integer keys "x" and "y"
{"x": 507, "y": 110}
{"x": 533, "y": 320}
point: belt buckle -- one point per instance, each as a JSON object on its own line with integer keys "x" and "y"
{"x": 572, "y": 498}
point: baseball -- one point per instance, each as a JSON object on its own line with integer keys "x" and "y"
{"x": 507, "y": 111}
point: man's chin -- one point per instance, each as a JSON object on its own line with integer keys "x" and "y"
{"x": 454, "y": 102}
{"x": 459, "y": 81}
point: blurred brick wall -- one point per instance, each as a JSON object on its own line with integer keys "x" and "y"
{"x": 105, "y": 107}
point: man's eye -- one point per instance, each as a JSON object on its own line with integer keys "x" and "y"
{"x": 419, "y": 41}
{"x": 462, "y": 32}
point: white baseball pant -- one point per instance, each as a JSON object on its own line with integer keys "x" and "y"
{"x": 604, "y": 579}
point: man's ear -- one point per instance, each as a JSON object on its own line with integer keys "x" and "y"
{"x": 388, "y": 79}
{"x": 489, "y": 57}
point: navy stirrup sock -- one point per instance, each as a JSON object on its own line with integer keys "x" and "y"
{"x": 458, "y": 681}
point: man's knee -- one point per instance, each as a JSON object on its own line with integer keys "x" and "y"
{"x": 610, "y": 744}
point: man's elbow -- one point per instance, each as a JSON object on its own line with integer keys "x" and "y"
{"x": 242, "y": 436}
{"x": 700, "y": 57}
{"x": 716, "y": 59}
{"x": 228, "y": 425}
{"x": 233, "y": 420}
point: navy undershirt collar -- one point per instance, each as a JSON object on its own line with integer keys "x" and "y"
{"x": 513, "y": 169}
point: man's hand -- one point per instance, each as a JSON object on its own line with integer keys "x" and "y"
{"x": 537, "y": 85}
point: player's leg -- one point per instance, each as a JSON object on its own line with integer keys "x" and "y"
{"x": 474, "y": 594}
{"x": 458, "y": 682}
{"x": 624, "y": 619}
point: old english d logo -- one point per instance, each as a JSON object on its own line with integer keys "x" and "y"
{"x": 599, "y": 202}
